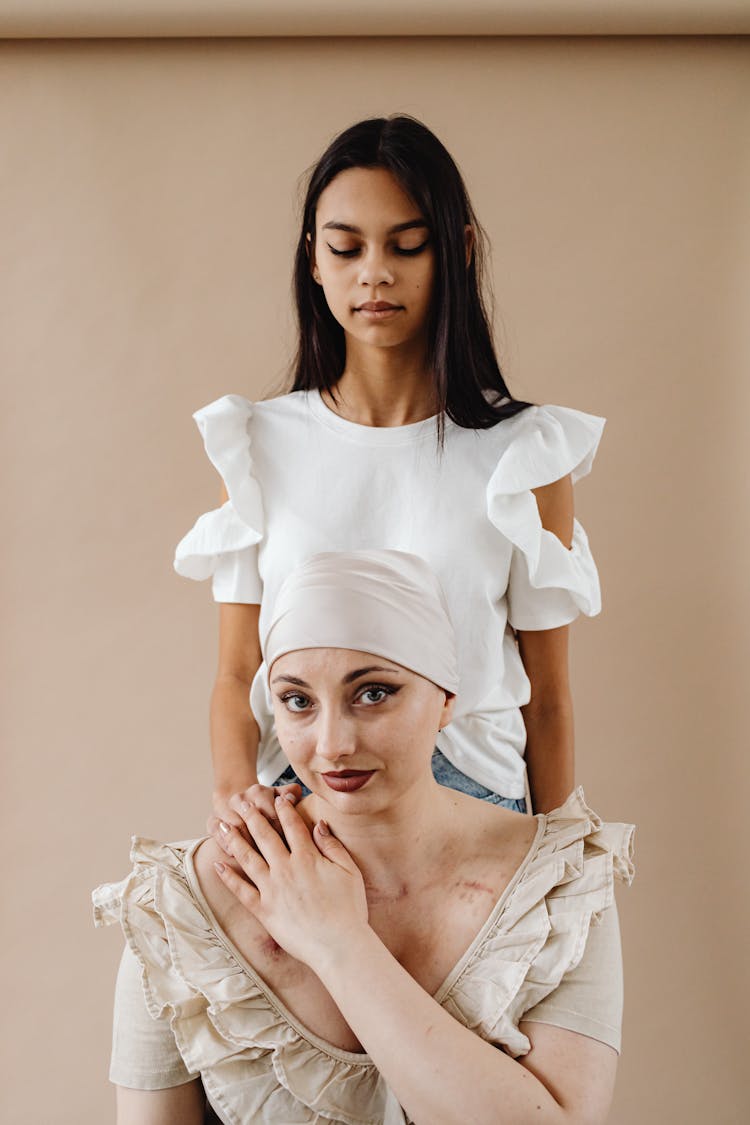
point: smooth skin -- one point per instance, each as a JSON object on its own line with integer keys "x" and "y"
{"x": 371, "y": 245}
{"x": 355, "y": 913}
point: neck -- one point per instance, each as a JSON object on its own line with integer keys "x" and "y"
{"x": 384, "y": 386}
{"x": 397, "y": 849}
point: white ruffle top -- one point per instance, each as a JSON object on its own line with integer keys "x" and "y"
{"x": 538, "y": 958}
{"x": 301, "y": 480}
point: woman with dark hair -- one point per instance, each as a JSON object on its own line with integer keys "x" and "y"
{"x": 400, "y": 432}
{"x": 395, "y": 951}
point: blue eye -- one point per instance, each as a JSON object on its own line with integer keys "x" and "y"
{"x": 375, "y": 693}
{"x": 295, "y": 702}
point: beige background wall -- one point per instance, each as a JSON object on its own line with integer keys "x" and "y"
{"x": 147, "y": 202}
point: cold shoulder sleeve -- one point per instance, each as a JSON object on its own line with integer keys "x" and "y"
{"x": 222, "y": 545}
{"x": 549, "y": 584}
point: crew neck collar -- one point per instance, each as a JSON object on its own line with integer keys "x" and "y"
{"x": 372, "y": 435}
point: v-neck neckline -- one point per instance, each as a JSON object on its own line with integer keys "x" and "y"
{"x": 360, "y": 1058}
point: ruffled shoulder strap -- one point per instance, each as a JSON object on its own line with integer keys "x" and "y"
{"x": 225, "y": 426}
{"x": 253, "y": 1062}
{"x": 540, "y": 931}
{"x": 546, "y": 444}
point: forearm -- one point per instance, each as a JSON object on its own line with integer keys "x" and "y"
{"x": 234, "y": 736}
{"x": 438, "y": 1069}
{"x": 550, "y": 758}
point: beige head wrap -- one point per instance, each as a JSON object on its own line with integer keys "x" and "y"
{"x": 388, "y": 603}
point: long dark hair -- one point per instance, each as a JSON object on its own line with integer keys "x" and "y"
{"x": 468, "y": 384}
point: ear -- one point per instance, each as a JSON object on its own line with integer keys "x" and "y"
{"x": 311, "y": 258}
{"x": 469, "y": 237}
{"x": 447, "y": 712}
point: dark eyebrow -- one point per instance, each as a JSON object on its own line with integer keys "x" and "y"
{"x": 412, "y": 224}
{"x": 366, "y": 672}
{"x": 289, "y": 680}
{"x": 346, "y": 680}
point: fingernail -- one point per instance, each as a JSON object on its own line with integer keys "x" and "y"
{"x": 223, "y": 827}
{"x": 323, "y": 828}
{"x": 219, "y": 868}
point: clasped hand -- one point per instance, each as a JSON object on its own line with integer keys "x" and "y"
{"x": 305, "y": 889}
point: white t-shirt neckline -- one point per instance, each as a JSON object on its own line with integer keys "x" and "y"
{"x": 372, "y": 435}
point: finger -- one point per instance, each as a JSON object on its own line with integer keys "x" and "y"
{"x": 248, "y": 857}
{"x": 246, "y": 893}
{"x": 293, "y": 789}
{"x": 295, "y": 830}
{"x": 212, "y": 827}
{"x": 331, "y": 848}
{"x": 229, "y": 817}
{"x": 265, "y": 836}
{"x": 229, "y": 814}
{"x": 261, "y": 799}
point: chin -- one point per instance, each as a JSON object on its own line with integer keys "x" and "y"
{"x": 388, "y": 335}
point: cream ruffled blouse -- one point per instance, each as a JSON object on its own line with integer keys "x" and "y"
{"x": 259, "y": 1063}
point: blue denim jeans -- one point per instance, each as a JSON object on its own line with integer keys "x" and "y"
{"x": 445, "y": 773}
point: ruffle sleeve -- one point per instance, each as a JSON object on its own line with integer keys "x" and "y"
{"x": 549, "y": 584}
{"x": 223, "y": 543}
{"x": 540, "y": 934}
{"x": 254, "y": 1064}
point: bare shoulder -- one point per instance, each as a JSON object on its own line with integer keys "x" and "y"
{"x": 243, "y": 929}
{"x": 495, "y": 834}
{"x": 220, "y": 900}
{"x": 555, "y": 504}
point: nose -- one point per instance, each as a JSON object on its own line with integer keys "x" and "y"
{"x": 336, "y": 738}
{"x": 374, "y": 268}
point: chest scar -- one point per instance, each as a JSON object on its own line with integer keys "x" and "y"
{"x": 470, "y": 888}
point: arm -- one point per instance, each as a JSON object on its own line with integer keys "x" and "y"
{"x": 449, "y": 1074}
{"x": 234, "y": 731}
{"x": 548, "y": 716}
{"x": 311, "y": 900}
{"x": 153, "y": 1085}
{"x": 185, "y": 1104}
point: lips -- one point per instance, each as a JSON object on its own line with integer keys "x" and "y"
{"x": 347, "y": 781}
{"x": 378, "y": 310}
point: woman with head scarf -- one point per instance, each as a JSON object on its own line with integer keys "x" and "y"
{"x": 389, "y": 950}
